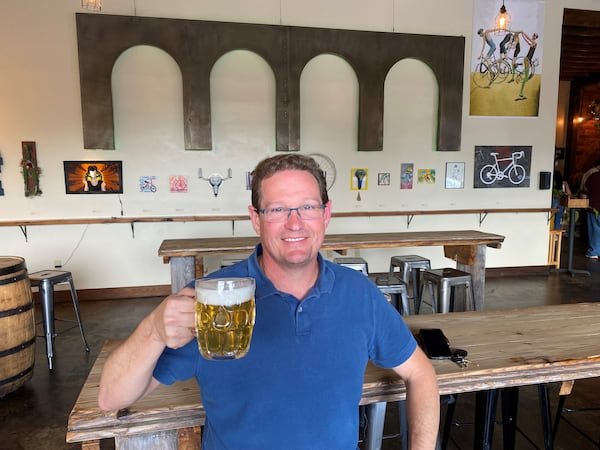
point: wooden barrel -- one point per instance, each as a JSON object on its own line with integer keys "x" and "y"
{"x": 17, "y": 325}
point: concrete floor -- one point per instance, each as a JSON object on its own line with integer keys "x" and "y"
{"x": 34, "y": 417}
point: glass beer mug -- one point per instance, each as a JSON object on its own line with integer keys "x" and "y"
{"x": 225, "y": 315}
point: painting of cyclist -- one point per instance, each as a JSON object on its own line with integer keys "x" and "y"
{"x": 487, "y": 39}
{"x": 504, "y": 44}
{"x": 516, "y": 44}
{"x": 527, "y": 61}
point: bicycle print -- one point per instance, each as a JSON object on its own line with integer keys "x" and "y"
{"x": 502, "y": 166}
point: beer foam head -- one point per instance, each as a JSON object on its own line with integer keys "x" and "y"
{"x": 224, "y": 291}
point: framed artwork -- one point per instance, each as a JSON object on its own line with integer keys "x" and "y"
{"x": 502, "y": 167}
{"x": 93, "y": 177}
{"x": 147, "y": 183}
{"x": 383, "y": 179}
{"x": 506, "y": 58}
{"x": 426, "y": 176}
{"x": 178, "y": 183}
{"x": 455, "y": 175}
{"x": 406, "y": 175}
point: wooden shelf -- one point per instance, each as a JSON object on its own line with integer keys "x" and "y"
{"x": 483, "y": 213}
{"x": 227, "y": 218}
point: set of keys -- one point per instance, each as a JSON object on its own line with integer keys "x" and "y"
{"x": 459, "y": 356}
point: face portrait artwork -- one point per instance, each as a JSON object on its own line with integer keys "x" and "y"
{"x": 93, "y": 177}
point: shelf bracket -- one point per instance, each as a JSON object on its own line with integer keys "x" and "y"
{"x": 409, "y": 219}
{"x": 132, "y": 224}
{"x": 24, "y": 231}
{"x": 482, "y": 217}
{"x": 548, "y": 217}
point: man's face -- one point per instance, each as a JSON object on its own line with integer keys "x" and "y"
{"x": 294, "y": 242}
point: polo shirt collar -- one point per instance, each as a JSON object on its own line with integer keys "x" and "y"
{"x": 264, "y": 286}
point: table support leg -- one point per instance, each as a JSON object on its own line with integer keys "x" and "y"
{"x": 485, "y": 417}
{"x": 183, "y": 270}
{"x": 375, "y": 422}
{"x": 510, "y": 403}
{"x": 544, "y": 398}
{"x": 477, "y": 271}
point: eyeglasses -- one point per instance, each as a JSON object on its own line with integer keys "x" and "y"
{"x": 281, "y": 214}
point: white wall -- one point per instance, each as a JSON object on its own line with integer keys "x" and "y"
{"x": 40, "y": 101}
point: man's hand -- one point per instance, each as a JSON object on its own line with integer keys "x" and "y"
{"x": 127, "y": 373}
{"x": 174, "y": 319}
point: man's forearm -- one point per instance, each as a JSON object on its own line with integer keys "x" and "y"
{"x": 423, "y": 408}
{"x": 127, "y": 373}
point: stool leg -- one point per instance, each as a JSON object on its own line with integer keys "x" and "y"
{"x": 471, "y": 293}
{"x": 76, "y": 307}
{"x": 422, "y": 296}
{"x": 415, "y": 285}
{"x": 375, "y": 423}
{"x": 444, "y": 292}
{"x": 46, "y": 291}
{"x": 405, "y": 307}
{"x": 403, "y": 417}
{"x": 394, "y": 301}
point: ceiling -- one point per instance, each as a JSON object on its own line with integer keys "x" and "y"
{"x": 580, "y": 48}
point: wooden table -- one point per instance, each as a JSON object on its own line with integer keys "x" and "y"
{"x": 466, "y": 247}
{"x": 507, "y": 349}
{"x": 510, "y": 348}
{"x": 168, "y": 418}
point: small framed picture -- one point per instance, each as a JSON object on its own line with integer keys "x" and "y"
{"x": 383, "y": 179}
{"x": 93, "y": 177}
{"x": 455, "y": 175}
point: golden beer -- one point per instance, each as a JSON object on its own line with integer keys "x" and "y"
{"x": 225, "y": 315}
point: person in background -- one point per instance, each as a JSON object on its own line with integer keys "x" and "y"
{"x": 592, "y": 191}
{"x": 595, "y": 168}
{"x": 559, "y": 187}
{"x": 317, "y": 325}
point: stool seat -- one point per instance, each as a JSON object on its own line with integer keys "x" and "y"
{"x": 354, "y": 262}
{"x": 45, "y": 281}
{"x": 410, "y": 267}
{"x": 445, "y": 279}
{"x": 394, "y": 287}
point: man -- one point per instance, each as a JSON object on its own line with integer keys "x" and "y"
{"x": 486, "y": 35}
{"x": 528, "y": 62}
{"x": 317, "y": 325}
{"x": 592, "y": 191}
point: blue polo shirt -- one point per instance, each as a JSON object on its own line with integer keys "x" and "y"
{"x": 300, "y": 384}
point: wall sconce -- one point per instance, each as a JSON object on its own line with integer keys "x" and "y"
{"x": 215, "y": 180}
{"x": 502, "y": 19}
{"x": 92, "y": 5}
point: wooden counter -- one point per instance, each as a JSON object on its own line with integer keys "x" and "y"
{"x": 466, "y": 247}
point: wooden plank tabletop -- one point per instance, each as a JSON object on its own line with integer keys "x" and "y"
{"x": 515, "y": 347}
{"x": 245, "y": 244}
{"x": 167, "y": 408}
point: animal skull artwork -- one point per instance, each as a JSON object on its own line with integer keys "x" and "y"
{"x": 215, "y": 180}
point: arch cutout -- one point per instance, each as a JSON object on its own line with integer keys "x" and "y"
{"x": 196, "y": 45}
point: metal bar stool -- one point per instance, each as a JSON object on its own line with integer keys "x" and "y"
{"x": 445, "y": 280}
{"x": 410, "y": 267}
{"x": 45, "y": 281}
{"x": 356, "y": 263}
{"x": 395, "y": 288}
